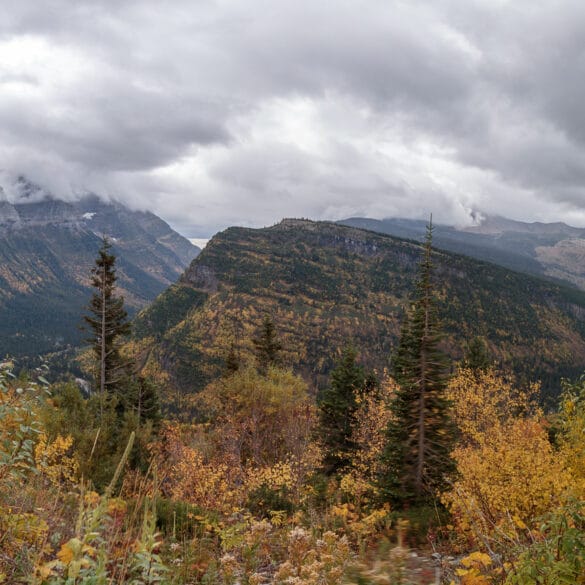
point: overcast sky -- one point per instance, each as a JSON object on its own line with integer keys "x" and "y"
{"x": 215, "y": 113}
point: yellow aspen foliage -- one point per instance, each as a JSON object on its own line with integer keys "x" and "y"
{"x": 55, "y": 460}
{"x": 485, "y": 401}
{"x": 572, "y": 437}
{"x": 473, "y": 569}
{"x": 506, "y": 480}
{"x": 204, "y": 483}
{"x": 279, "y": 475}
{"x": 290, "y": 474}
{"x": 369, "y": 433}
{"x": 359, "y": 482}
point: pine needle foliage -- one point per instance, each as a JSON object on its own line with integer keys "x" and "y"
{"x": 266, "y": 345}
{"x": 337, "y": 409}
{"x": 108, "y": 322}
{"x": 420, "y": 434}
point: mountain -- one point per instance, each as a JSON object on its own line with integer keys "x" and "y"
{"x": 327, "y": 285}
{"x": 553, "y": 250}
{"x": 47, "y": 249}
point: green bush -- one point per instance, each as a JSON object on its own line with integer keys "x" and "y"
{"x": 178, "y": 519}
{"x": 558, "y": 554}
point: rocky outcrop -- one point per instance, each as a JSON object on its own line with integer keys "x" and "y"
{"x": 9, "y": 216}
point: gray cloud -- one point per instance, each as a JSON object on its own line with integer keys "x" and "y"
{"x": 219, "y": 112}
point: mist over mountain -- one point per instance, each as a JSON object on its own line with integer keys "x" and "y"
{"x": 47, "y": 249}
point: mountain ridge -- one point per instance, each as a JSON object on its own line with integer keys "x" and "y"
{"x": 326, "y": 285}
{"x": 552, "y": 250}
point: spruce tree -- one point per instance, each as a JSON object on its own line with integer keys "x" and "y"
{"x": 107, "y": 323}
{"x": 477, "y": 357}
{"x": 141, "y": 398}
{"x": 232, "y": 362}
{"x": 337, "y": 408}
{"x": 420, "y": 434}
{"x": 267, "y": 345}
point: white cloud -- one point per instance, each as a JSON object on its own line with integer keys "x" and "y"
{"x": 213, "y": 113}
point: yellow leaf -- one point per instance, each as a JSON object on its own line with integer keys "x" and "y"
{"x": 519, "y": 523}
{"x": 477, "y": 559}
{"x": 65, "y": 554}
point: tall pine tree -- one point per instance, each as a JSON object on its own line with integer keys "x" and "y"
{"x": 420, "y": 434}
{"x": 107, "y": 323}
{"x": 266, "y": 345}
{"x": 337, "y": 408}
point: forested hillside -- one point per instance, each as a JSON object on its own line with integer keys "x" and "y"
{"x": 46, "y": 250}
{"x": 326, "y": 286}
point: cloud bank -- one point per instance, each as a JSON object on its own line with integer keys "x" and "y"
{"x": 219, "y": 112}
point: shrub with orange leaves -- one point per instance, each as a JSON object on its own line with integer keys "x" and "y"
{"x": 194, "y": 474}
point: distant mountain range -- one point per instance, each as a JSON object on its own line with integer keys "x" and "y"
{"x": 328, "y": 285}
{"x": 47, "y": 249}
{"x": 552, "y": 250}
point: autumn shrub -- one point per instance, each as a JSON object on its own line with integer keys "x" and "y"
{"x": 23, "y": 531}
{"x": 508, "y": 473}
{"x": 572, "y": 432}
{"x": 360, "y": 480}
{"x": 484, "y": 401}
{"x": 260, "y": 419}
{"x": 256, "y": 450}
{"x": 314, "y": 561}
{"x": 97, "y": 430}
{"x": 105, "y": 547}
{"x": 20, "y": 425}
{"x": 506, "y": 482}
{"x": 55, "y": 460}
{"x": 178, "y": 519}
{"x": 264, "y": 499}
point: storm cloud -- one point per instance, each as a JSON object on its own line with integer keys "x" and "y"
{"x": 213, "y": 113}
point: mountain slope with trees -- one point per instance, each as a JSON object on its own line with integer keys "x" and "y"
{"x": 325, "y": 285}
{"x": 47, "y": 247}
{"x": 555, "y": 251}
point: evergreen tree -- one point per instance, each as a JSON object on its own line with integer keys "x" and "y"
{"x": 337, "y": 408}
{"x": 141, "y": 398}
{"x": 420, "y": 433}
{"x": 232, "y": 362}
{"x": 267, "y": 345}
{"x": 107, "y": 322}
{"x": 477, "y": 357}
